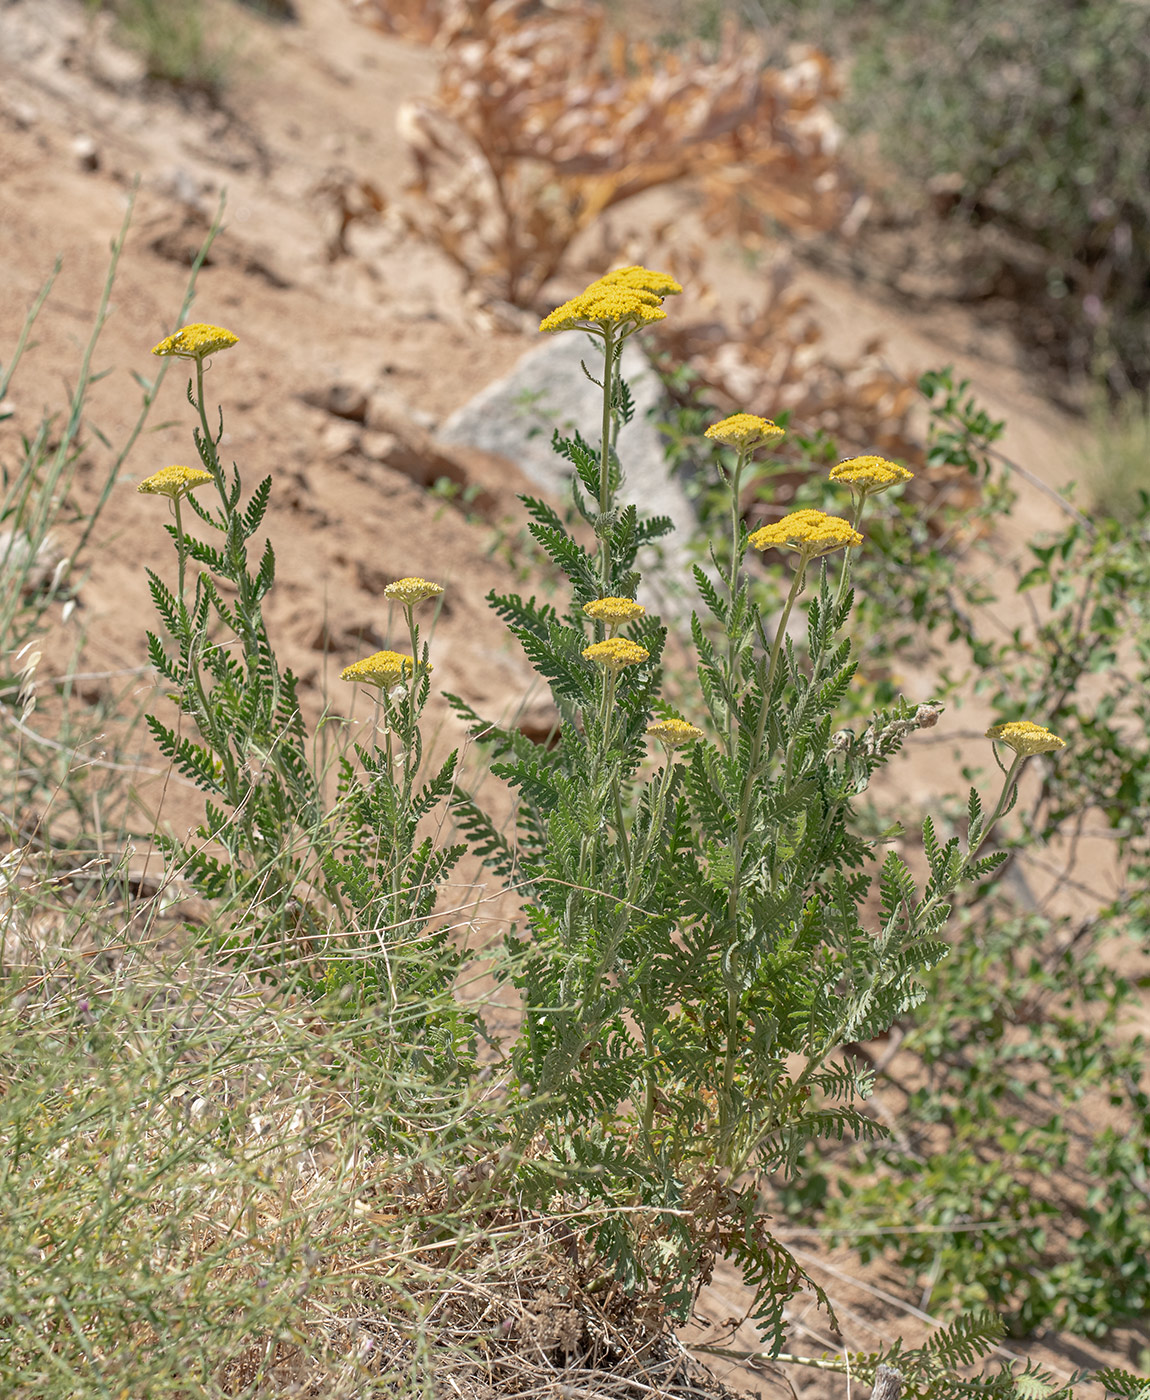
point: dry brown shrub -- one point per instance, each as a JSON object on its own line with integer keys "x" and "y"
{"x": 772, "y": 357}
{"x": 542, "y": 121}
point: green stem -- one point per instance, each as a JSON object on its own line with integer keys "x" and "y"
{"x": 609, "y": 351}
{"x": 181, "y": 551}
{"x": 732, "y": 590}
{"x": 640, "y": 864}
{"x": 643, "y": 857}
{"x": 780, "y": 634}
{"x": 621, "y": 826}
{"x": 844, "y": 572}
{"x": 749, "y": 782}
{"x": 1003, "y": 802}
{"x": 817, "y": 661}
{"x": 213, "y": 462}
{"x": 649, "y": 1098}
{"x": 408, "y": 739}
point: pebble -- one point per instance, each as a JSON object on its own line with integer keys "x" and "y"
{"x": 86, "y": 153}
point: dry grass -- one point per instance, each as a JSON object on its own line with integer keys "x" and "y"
{"x": 213, "y": 1189}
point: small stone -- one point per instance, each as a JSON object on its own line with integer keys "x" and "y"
{"x": 23, "y": 114}
{"x": 386, "y": 407}
{"x": 342, "y": 398}
{"x": 85, "y": 152}
{"x": 339, "y": 439}
{"x": 378, "y": 446}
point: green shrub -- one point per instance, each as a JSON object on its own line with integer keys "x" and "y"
{"x": 1038, "y": 110}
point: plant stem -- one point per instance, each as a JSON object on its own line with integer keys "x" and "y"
{"x": 1003, "y": 802}
{"x": 795, "y": 589}
{"x": 181, "y": 552}
{"x": 732, "y": 590}
{"x": 844, "y": 572}
{"x": 749, "y": 781}
{"x": 609, "y": 354}
{"x": 213, "y": 459}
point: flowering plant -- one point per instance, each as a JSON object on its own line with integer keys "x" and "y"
{"x": 696, "y": 952}
{"x": 696, "y": 947}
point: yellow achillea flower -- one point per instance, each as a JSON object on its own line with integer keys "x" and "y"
{"x": 870, "y": 475}
{"x": 674, "y": 733}
{"x": 641, "y": 279}
{"x": 614, "y": 611}
{"x": 1025, "y": 737}
{"x": 811, "y": 532}
{"x": 196, "y": 342}
{"x": 385, "y": 669}
{"x": 410, "y": 591}
{"x": 602, "y": 306}
{"x": 174, "y": 482}
{"x": 745, "y": 431}
{"x": 616, "y": 652}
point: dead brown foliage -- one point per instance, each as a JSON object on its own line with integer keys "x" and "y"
{"x": 773, "y": 357}
{"x": 542, "y": 121}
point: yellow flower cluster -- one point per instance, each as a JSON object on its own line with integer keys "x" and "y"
{"x": 641, "y": 279}
{"x": 616, "y": 652}
{"x": 870, "y": 475}
{"x": 600, "y": 307}
{"x": 410, "y": 591}
{"x": 674, "y": 733}
{"x": 174, "y": 482}
{"x": 629, "y": 297}
{"x": 811, "y": 532}
{"x": 745, "y": 431}
{"x": 385, "y": 669}
{"x": 614, "y": 611}
{"x": 196, "y": 342}
{"x": 1025, "y": 737}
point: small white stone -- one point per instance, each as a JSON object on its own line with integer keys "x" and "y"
{"x": 86, "y": 154}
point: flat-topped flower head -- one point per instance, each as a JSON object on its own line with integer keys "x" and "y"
{"x": 174, "y": 482}
{"x": 604, "y": 306}
{"x": 614, "y": 611}
{"x": 616, "y": 652}
{"x": 196, "y": 342}
{"x": 410, "y": 591}
{"x": 1025, "y": 737}
{"x": 386, "y": 669}
{"x": 674, "y": 733}
{"x": 641, "y": 279}
{"x": 745, "y": 431}
{"x": 870, "y": 475}
{"x": 811, "y": 532}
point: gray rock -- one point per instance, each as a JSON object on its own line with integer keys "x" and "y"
{"x": 516, "y": 416}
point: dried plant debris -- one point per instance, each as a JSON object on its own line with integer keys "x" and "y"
{"x": 541, "y": 121}
{"x": 771, "y": 358}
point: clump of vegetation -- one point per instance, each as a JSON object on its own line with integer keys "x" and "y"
{"x": 1026, "y": 1028}
{"x": 255, "y": 1143}
{"x": 1118, "y": 461}
{"x": 182, "y": 42}
{"x": 1036, "y": 113}
{"x": 538, "y": 125}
